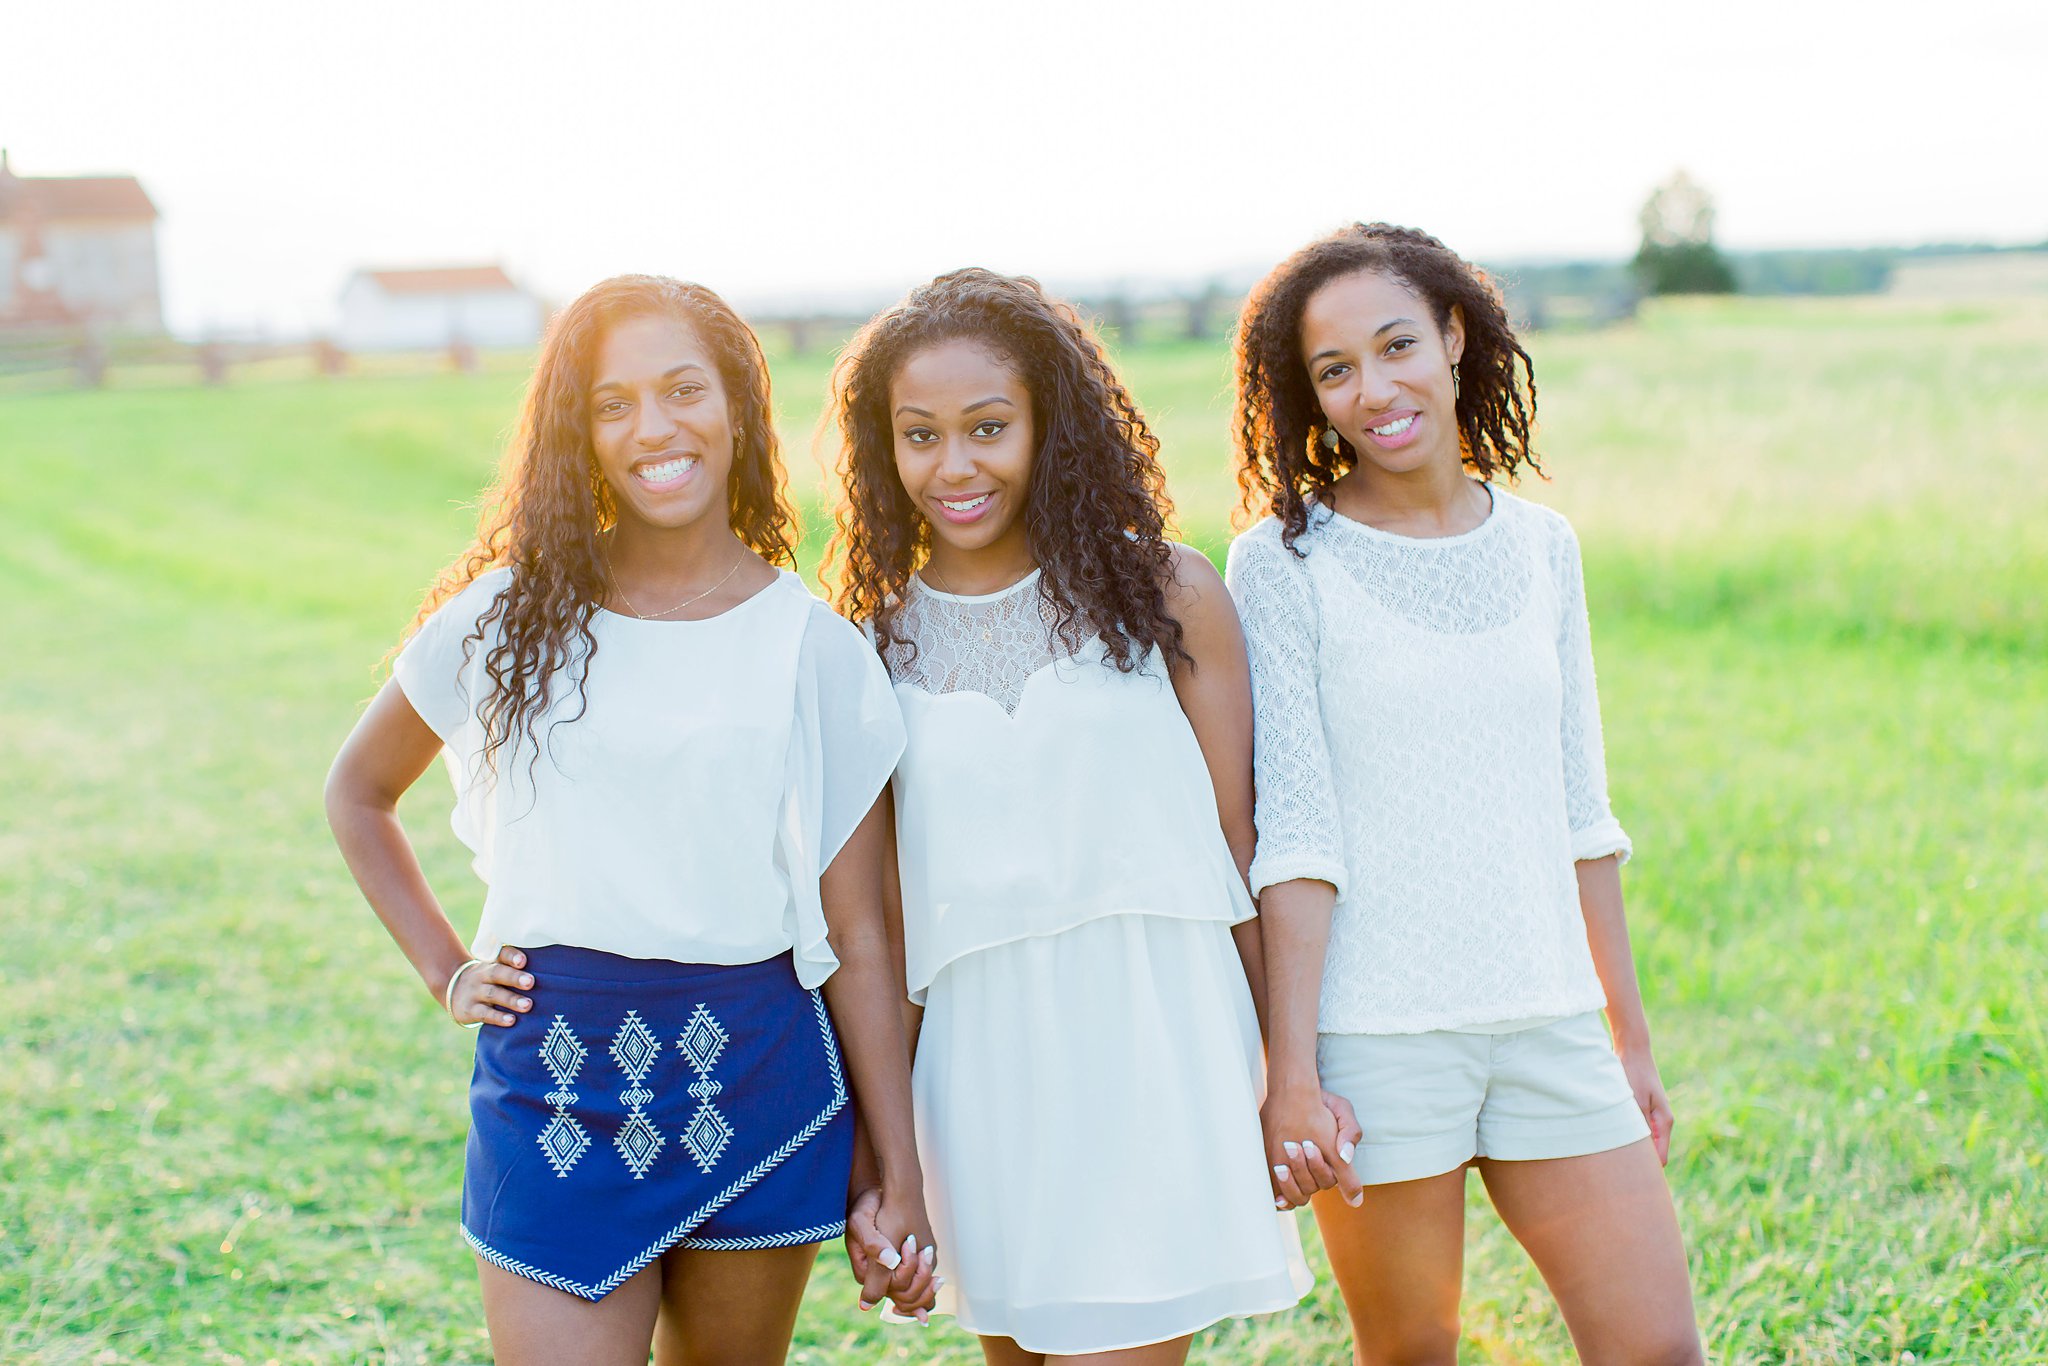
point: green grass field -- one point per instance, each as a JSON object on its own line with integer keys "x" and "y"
{"x": 231, "y": 1123}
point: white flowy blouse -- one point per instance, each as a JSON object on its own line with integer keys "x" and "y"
{"x": 1428, "y": 742}
{"x": 1040, "y": 789}
{"x": 686, "y": 804}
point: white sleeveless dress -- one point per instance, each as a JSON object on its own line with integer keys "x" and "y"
{"x": 1088, "y": 1073}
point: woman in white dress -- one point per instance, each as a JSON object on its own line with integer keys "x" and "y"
{"x": 1437, "y": 865}
{"x": 668, "y": 759}
{"x": 1072, "y": 814}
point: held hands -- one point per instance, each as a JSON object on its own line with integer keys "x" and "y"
{"x": 1310, "y": 1139}
{"x": 490, "y": 993}
{"x": 904, "y": 1269}
{"x": 1648, "y": 1088}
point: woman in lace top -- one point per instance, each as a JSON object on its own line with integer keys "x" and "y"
{"x": 1437, "y": 866}
{"x": 1072, "y": 816}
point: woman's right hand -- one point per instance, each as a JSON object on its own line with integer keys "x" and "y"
{"x": 1311, "y": 1135}
{"x": 493, "y": 992}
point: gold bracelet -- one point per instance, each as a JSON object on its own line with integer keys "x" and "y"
{"x": 448, "y": 993}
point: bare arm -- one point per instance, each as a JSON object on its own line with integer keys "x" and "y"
{"x": 1216, "y": 693}
{"x": 1607, "y": 935}
{"x": 383, "y": 756}
{"x": 865, "y": 994}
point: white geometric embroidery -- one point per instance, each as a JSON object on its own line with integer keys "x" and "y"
{"x": 706, "y": 1135}
{"x": 833, "y": 1105}
{"x": 563, "y": 1140}
{"x": 703, "y": 1039}
{"x": 634, "y": 1048}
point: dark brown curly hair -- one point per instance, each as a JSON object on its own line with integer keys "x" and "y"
{"x": 550, "y": 502}
{"x": 1096, "y": 509}
{"x": 1282, "y": 461}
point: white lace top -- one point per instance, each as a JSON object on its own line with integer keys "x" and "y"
{"x": 687, "y": 812}
{"x": 1041, "y": 789}
{"x": 1428, "y": 741}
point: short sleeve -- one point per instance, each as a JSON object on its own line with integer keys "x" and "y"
{"x": 436, "y": 668}
{"x": 1595, "y": 832}
{"x": 1300, "y": 834}
{"x": 846, "y": 739}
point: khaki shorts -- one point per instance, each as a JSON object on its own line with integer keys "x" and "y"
{"x": 1429, "y": 1103}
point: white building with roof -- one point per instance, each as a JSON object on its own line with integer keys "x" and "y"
{"x": 77, "y": 252}
{"x": 418, "y": 310}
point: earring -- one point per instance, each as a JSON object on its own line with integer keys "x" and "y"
{"x": 1330, "y": 438}
{"x": 1455, "y": 390}
{"x": 739, "y": 435}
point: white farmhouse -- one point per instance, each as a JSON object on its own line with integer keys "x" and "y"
{"x": 77, "y": 252}
{"x": 417, "y": 310}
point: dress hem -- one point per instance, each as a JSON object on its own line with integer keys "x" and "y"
{"x": 1280, "y": 1299}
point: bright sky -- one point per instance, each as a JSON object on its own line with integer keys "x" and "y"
{"x": 775, "y": 149}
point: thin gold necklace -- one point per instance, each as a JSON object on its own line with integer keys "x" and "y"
{"x": 613, "y": 575}
{"x": 987, "y": 632}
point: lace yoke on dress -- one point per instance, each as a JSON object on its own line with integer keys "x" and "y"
{"x": 993, "y": 644}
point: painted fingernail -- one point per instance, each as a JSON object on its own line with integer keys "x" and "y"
{"x": 525, "y": 1004}
{"x": 1280, "y": 1172}
{"x": 1293, "y": 1149}
{"x": 1355, "y": 1200}
{"x": 526, "y": 984}
{"x": 1313, "y": 1151}
{"x": 865, "y": 1306}
{"x": 890, "y": 1258}
{"x": 910, "y": 1244}
{"x": 1278, "y": 1203}
{"x": 930, "y": 1255}
{"x": 924, "y": 1318}
{"x": 1347, "y": 1150}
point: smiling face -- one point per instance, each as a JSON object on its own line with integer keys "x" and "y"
{"x": 660, "y": 423}
{"x": 964, "y": 444}
{"x": 1381, "y": 369}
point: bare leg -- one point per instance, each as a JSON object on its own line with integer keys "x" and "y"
{"x": 1006, "y": 1352}
{"x": 537, "y": 1325}
{"x": 1399, "y": 1259}
{"x": 1602, "y": 1231}
{"x": 730, "y": 1308}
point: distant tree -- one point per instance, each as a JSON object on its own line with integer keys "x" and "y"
{"x": 1678, "y": 255}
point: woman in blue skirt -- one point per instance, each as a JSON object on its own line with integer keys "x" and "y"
{"x": 667, "y": 756}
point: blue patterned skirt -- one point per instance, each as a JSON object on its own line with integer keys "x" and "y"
{"x": 645, "y": 1105}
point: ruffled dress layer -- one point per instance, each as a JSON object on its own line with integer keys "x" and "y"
{"x": 1088, "y": 1072}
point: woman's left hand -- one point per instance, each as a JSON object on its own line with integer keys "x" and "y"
{"x": 1648, "y": 1089}
{"x": 906, "y": 1271}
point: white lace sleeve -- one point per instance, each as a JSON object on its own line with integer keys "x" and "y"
{"x": 1595, "y": 831}
{"x": 1300, "y": 834}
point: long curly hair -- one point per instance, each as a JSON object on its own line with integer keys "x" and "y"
{"x": 550, "y": 503}
{"x": 1282, "y": 461}
{"x": 1095, "y": 509}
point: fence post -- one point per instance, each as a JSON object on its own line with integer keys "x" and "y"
{"x": 90, "y": 359}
